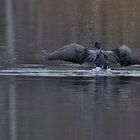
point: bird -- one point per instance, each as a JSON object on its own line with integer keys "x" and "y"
{"x": 77, "y": 53}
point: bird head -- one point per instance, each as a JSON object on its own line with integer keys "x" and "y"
{"x": 97, "y": 45}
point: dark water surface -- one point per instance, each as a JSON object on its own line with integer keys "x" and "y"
{"x": 67, "y": 105}
{"x": 69, "y": 108}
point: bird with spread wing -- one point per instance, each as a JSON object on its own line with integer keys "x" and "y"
{"x": 79, "y": 54}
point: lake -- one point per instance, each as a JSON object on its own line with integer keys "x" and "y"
{"x": 65, "y": 101}
{"x": 39, "y": 103}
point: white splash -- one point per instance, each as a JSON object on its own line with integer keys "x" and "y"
{"x": 67, "y": 73}
{"x": 100, "y": 71}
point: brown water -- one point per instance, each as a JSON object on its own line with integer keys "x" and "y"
{"x": 27, "y": 27}
{"x": 39, "y": 105}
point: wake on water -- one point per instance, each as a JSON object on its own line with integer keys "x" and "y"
{"x": 68, "y": 73}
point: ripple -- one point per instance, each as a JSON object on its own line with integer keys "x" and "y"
{"x": 66, "y": 73}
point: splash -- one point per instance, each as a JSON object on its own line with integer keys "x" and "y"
{"x": 67, "y": 73}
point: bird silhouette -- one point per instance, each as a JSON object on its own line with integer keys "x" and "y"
{"x": 79, "y": 54}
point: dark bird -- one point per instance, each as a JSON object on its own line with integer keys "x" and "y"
{"x": 79, "y": 54}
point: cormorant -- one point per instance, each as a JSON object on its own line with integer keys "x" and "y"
{"x": 79, "y": 54}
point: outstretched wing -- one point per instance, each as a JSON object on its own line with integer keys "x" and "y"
{"x": 112, "y": 56}
{"x": 92, "y": 55}
{"x": 72, "y": 52}
{"x": 123, "y": 55}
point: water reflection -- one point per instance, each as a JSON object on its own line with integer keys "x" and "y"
{"x": 27, "y": 27}
{"x": 69, "y": 108}
{"x": 10, "y": 34}
{"x": 12, "y": 111}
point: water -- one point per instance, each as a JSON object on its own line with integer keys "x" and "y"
{"x": 39, "y": 103}
{"x": 28, "y": 27}
{"x": 64, "y": 101}
{"x": 46, "y": 72}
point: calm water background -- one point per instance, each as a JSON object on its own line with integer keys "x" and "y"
{"x": 33, "y": 108}
{"x": 67, "y": 108}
